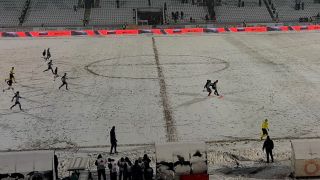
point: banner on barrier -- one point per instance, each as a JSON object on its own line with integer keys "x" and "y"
{"x": 66, "y": 33}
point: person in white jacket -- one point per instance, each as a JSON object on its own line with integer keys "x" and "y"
{"x": 101, "y": 167}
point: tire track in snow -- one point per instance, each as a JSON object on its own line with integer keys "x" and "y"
{"x": 170, "y": 124}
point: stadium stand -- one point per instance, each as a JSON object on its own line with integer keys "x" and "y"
{"x": 288, "y": 11}
{"x": 195, "y": 11}
{"x": 229, "y": 11}
{"x": 10, "y": 11}
{"x": 62, "y": 13}
{"x": 54, "y": 13}
{"x": 109, "y": 14}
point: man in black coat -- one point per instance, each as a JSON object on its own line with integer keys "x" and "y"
{"x": 113, "y": 140}
{"x": 268, "y": 145}
{"x": 137, "y": 173}
{"x": 56, "y": 164}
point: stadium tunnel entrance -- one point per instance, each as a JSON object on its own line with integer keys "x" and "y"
{"x": 149, "y": 16}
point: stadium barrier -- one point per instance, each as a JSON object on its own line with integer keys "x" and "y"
{"x": 67, "y": 33}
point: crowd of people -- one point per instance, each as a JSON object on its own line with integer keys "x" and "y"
{"x": 124, "y": 169}
{"x": 177, "y": 15}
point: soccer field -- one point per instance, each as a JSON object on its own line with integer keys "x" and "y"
{"x": 151, "y": 88}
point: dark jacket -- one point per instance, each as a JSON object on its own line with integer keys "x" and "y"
{"x": 113, "y": 139}
{"x": 146, "y": 160}
{"x": 268, "y": 144}
{"x": 101, "y": 163}
{"x": 56, "y": 161}
{"x": 148, "y": 173}
{"x": 136, "y": 172}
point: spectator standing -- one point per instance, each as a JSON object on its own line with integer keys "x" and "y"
{"x": 118, "y": 3}
{"x": 101, "y": 167}
{"x": 207, "y": 17}
{"x": 121, "y": 165}
{"x": 112, "y": 165}
{"x": 264, "y": 128}
{"x": 302, "y": 6}
{"x": 244, "y": 23}
{"x": 148, "y": 172}
{"x": 74, "y": 176}
{"x": 141, "y": 163}
{"x": 113, "y": 140}
{"x": 146, "y": 160}
{"x": 268, "y": 146}
{"x": 56, "y": 164}
{"x": 127, "y": 169}
{"x": 136, "y": 171}
{"x": 177, "y": 14}
{"x": 124, "y": 26}
{"x": 181, "y": 14}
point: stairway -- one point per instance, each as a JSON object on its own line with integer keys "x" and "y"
{"x": 269, "y": 9}
{"x": 24, "y": 12}
{"x": 87, "y": 13}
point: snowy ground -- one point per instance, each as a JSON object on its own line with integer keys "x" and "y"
{"x": 129, "y": 81}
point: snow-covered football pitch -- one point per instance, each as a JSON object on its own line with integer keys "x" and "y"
{"x": 151, "y": 89}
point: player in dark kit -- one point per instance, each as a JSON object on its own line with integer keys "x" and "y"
{"x": 11, "y": 75}
{"x": 64, "y": 82}
{"x": 49, "y": 67}
{"x": 48, "y": 54}
{"x": 17, "y": 96}
{"x": 9, "y": 82}
{"x": 44, "y": 53}
{"x": 207, "y": 86}
{"x": 55, "y": 74}
{"x": 214, "y": 87}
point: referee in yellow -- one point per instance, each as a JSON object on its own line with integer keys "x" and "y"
{"x": 265, "y": 128}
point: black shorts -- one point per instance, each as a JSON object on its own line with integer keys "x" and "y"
{"x": 11, "y": 76}
{"x": 17, "y": 103}
{"x": 209, "y": 90}
{"x": 264, "y": 131}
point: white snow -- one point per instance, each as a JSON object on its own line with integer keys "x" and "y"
{"x": 261, "y": 75}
